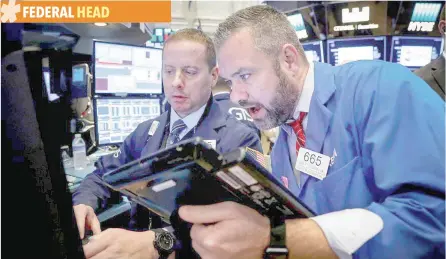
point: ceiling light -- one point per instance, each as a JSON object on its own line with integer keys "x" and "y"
{"x": 100, "y": 24}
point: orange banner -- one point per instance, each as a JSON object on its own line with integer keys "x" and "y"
{"x": 85, "y": 11}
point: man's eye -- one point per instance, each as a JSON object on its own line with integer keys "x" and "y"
{"x": 245, "y": 76}
{"x": 190, "y": 72}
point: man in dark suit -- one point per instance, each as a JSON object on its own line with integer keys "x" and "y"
{"x": 434, "y": 73}
{"x": 189, "y": 73}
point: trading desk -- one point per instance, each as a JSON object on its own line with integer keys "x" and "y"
{"x": 75, "y": 177}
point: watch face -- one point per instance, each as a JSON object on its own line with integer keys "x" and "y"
{"x": 165, "y": 241}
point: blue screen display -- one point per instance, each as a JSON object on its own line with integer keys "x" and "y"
{"x": 314, "y": 51}
{"x": 415, "y": 52}
{"x": 78, "y": 74}
{"x": 341, "y": 51}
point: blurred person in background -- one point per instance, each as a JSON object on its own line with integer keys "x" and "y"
{"x": 434, "y": 73}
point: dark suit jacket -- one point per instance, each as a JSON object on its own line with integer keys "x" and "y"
{"x": 218, "y": 125}
{"x": 433, "y": 73}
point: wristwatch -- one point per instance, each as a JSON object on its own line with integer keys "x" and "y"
{"x": 164, "y": 243}
{"x": 277, "y": 247}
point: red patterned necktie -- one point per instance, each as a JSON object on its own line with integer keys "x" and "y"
{"x": 299, "y": 130}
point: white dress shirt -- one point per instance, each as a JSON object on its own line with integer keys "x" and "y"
{"x": 347, "y": 230}
{"x": 190, "y": 120}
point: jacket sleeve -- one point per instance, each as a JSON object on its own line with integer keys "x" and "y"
{"x": 402, "y": 130}
{"x": 251, "y": 139}
{"x": 92, "y": 191}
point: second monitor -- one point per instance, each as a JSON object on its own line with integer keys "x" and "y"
{"x": 341, "y": 51}
{"x": 415, "y": 52}
{"x": 116, "y": 118}
{"x": 314, "y": 51}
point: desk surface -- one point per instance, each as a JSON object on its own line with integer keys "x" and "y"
{"x": 74, "y": 177}
{"x": 69, "y": 166}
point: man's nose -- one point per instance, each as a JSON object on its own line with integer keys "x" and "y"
{"x": 238, "y": 93}
{"x": 178, "y": 81}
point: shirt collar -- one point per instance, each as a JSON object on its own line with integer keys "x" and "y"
{"x": 304, "y": 101}
{"x": 303, "y": 104}
{"x": 190, "y": 120}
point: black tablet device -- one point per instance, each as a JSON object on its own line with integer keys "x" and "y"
{"x": 192, "y": 173}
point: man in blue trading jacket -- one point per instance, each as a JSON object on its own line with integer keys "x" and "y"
{"x": 362, "y": 144}
{"x": 189, "y": 73}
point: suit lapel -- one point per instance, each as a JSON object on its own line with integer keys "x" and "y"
{"x": 319, "y": 116}
{"x": 153, "y": 143}
{"x": 215, "y": 119}
{"x": 438, "y": 72}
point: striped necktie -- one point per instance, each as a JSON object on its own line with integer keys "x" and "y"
{"x": 174, "y": 135}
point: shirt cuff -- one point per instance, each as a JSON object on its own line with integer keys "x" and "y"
{"x": 347, "y": 230}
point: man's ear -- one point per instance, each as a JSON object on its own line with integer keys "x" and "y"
{"x": 442, "y": 27}
{"x": 215, "y": 72}
{"x": 289, "y": 56}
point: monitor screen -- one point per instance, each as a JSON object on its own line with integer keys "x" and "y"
{"x": 123, "y": 69}
{"x": 297, "y": 22}
{"x": 47, "y": 81}
{"x": 160, "y": 35}
{"x": 314, "y": 51}
{"x": 79, "y": 85}
{"x": 415, "y": 18}
{"x": 415, "y": 52}
{"x": 309, "y": 22}
{"x": 79, "y": 74}
{"x": 116, "y": 118}
{"x": 348, "y": 19}
{"x": 341, "y": 51}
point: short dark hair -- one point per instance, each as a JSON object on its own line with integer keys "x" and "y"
{"x": 198, "y": 36}
{"x": 269, "y": 28}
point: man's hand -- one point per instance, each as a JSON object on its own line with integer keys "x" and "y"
{"x": 238, "y": 232}
{"x": 86, "y": 219}
{"x": 121, "y": 243}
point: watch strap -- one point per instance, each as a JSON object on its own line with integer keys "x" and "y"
{"x": 277, "y": 248}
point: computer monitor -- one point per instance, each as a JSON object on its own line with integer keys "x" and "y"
{"x": 125, "y": 70}
{"x": 341, "y": 51}
{"x": 160, "y": 35}
{"x": 79, "y": 81}
{"x": 314, "y": 51}
{"x": 415, "y": 52}
{"x": 116, "y": 118}
{"x": 298, "y": 24}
